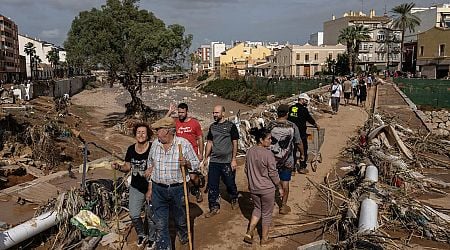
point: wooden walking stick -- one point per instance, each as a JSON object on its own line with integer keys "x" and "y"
{"x": 186, "y": 197}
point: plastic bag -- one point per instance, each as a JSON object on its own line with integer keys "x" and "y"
{"x": 89, "y": 224}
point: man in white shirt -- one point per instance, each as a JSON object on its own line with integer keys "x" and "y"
{"x": 336, "y": 92}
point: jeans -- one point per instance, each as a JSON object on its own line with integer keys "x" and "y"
{"x": 304, "y": 138}
{"x": 335, "y": 103}
{"x": 216, "y": 171}
{"x": 135, "y": 202}
{"x": 165, "y": 200}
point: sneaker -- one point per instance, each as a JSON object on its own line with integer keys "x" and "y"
{"x": 151, "y": 245}
{"x": 285, "y": 209}
{"x": 199, "y": 197}
{"x": 248, "y": 238}
{"x": 303, "y": 171}
{"x": 141, "y": 241}
{"x": 212, "y": 212}
{"x": 234, "y": 204}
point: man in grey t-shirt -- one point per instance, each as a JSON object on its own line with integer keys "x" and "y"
{"x": 222, "y": 147}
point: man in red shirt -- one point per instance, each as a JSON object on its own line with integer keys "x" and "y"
{"x": 190, "y": 129}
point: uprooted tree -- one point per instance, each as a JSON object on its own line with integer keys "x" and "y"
{"x": 123, "y": 39}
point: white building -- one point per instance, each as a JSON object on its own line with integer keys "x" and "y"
{"x": 214, "y": 53}
{"x": 42, "y": 48}
{"x": 316, "y": 39}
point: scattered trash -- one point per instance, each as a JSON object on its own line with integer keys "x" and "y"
{"x": 89, "y": 224}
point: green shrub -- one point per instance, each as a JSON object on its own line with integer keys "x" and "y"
{"x": 202, "y": 77}
{"x": 238, "y": 91}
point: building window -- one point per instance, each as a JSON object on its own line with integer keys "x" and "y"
{"x": 298, "y": 56}
{"x": 441, "y": 49}
{"x": 306, "y": 57}
{"x": 364, "y": 46}
{"x": 316, "y": 56}
{"x": 421, "y": 51}
{"x": 380, "y": 36}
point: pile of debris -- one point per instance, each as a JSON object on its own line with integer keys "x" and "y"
{"x": 377, "y": 203}
{"x": 262, "y": 115}
{"x": 82, "y": 216}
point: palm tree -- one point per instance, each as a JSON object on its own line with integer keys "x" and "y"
{"x": 404, "y": 19}
{"x": 30, "y": 50}
{"x": 352, "y": 36}
{"x": 53, "y": 58}
{"x": 347, "y": 36}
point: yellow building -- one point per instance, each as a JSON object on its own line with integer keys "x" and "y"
{"x": 433, "y": 55}
{"x": 235, "y": 61}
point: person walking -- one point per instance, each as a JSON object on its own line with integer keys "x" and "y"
{"x": 336, "y": 92}
{"x": 221, "y": 146}
{"x": 262, "y": 176}
{"x": 190, "y": 129}
{"x": 165, "y": 171}
{"x": 299, "y": 115}
{"x": 285, "y": 136}
{"x": 362, "y": 93}
{"x": 354, "y": 87}
{"x": 347, "y": 86}
{"x": 140, "y": 189}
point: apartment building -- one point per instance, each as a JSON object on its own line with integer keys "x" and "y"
{"x": 204, "y": 53}
{"x": 216, "y": 50}
{"x": 433, "y": 56}
{"x": 316, "y": 39}
{"x": 9, "y": 51}
{"x": 304, "y": 60}
{"x": 430, "y": 17}
{"x": 381, "y": 50}
{"x": 236, "y": 61}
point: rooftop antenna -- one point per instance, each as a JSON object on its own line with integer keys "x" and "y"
{"x": 362, "y": 6}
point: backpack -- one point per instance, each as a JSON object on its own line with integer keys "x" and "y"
{"x": 282, "y": 143}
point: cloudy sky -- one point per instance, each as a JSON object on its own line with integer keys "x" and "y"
{"x": 207, "y": 20}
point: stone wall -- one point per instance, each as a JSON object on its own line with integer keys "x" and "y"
{"x": 439, "y": 121}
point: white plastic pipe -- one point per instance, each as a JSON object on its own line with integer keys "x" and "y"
{"x": 368, "y": 217}
{"x": 371, "y": 174}
{"x": 26, "y": 230}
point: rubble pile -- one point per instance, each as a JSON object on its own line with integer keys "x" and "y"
{"x": 262, "y": 115}
{"x": 439, "y": 121}
{"x": 400, "y": 156}
{"x": 103, "y": 197}
{"x": 33, "y": 141}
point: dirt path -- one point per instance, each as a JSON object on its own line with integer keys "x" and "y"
{"x": 226, "y": 230}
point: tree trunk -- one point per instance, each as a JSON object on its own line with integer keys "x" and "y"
{"x": 400, "y": 65}
{"x": 31, "y": 69}
{"x": 137, "y": 106}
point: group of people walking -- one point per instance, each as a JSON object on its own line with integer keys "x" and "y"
{"x": 157, "y": 178}
{"x": 350, "y": 88}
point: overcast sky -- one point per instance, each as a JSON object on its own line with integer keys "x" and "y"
{"x": 207, "y": 20}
